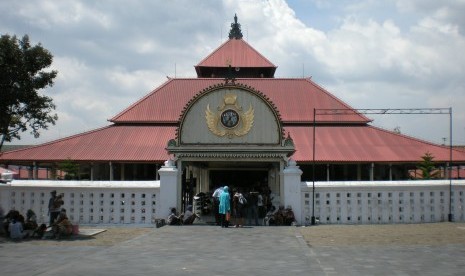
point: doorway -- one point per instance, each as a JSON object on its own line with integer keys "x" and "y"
{"x": 244, "y": 180}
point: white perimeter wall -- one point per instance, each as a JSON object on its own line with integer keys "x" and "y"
{"x": 138, "y": 202}
{"x": 376, "y": 202}
{"x": 86, "y": 202}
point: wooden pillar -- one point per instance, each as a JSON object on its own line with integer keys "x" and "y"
{"x": 328, "y": 173}
{"x": 122, "y": 171}
{"x": 35, "y": 174}
{"x": 390, "y": 172}
{"x": 111, "y": 171}
{"x": 91, "y": 171}
{"x": 372, "y": 171}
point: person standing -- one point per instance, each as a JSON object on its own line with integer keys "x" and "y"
{"x": 54, "y": 206}
{"x": 224, "y": 208}
{"x": 239, "y": 203}
{"x": 261, "y": 207}
{"x": 216, "y": 203}
{"x": 252, "y": 204}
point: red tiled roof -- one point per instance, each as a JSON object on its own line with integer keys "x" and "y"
{"x": 363, "y": 144}
{"x": 237, "y": 53}
{"x": 112, "y": 143}
{"x": 294, "y": 98}
{"x": 143, "y": 143}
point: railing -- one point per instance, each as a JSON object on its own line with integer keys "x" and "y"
{"x": 383, "y": 202}
{"x": 86, "y": 202}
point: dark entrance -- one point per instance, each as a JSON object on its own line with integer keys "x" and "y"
{"x": 242, "y": 179}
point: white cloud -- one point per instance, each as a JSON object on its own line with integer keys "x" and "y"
{"x": 371, "y": 54}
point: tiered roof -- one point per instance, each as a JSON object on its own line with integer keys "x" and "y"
{"x": 140, "y": 132}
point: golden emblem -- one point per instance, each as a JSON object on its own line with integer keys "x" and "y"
{"x": 230, "y": 120}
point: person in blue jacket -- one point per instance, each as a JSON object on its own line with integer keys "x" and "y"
{"x": 225, "y": 207}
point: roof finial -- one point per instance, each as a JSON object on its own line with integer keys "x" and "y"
{"x": 235, "y": 31}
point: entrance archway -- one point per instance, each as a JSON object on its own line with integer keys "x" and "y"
{"x": 245, "y": 180}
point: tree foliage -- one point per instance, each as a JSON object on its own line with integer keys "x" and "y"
{"x": 427, "y": 167}
{"x": 70, "y": 168}
{"x": 21, "y": 77}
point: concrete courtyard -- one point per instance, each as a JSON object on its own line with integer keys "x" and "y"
{"x": 416, "y": 249}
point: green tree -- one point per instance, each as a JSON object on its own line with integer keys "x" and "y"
{"x": 70, "y": 168}
{"x": 427, "y": 167}
{"x": 21, "y": 77}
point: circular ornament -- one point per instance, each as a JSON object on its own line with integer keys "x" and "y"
{"x": 229, "y": 118}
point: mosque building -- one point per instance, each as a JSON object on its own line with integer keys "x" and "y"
{"x": 236, "y": 124}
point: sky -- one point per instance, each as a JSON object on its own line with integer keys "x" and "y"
{"x": 371, "y": 54}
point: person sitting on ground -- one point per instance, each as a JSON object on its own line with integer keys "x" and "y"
{"x": 31, "y": 220}
{"x": 269, "y": 217}
{"x": 173, "y": 218}
{"x": 16, "y": 230}
{"x": 289, "y": 217}
{"x": 279, "y": 216}
{"x": 9, "y": 217}
{"x": 39, "y": 232}
{"x": 189, "y": 216}
{"x": 62, "y": 226}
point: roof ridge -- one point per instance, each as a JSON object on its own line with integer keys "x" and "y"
{"x": 115, "y": 118}
{"x": 259, "y": 53}
{"x": 60, "y": 139}
{"x": 407, "y": 136}
{"x": 230, "y": 41}
{"x": 336, "y": 98}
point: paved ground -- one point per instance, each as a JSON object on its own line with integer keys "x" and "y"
{"x": 210, "y": 250}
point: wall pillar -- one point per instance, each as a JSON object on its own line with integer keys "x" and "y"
{"x": 390, "y": 172}
{"x": 111, "y": 171}
{"x": 446, "y": 171}
{"x": 35, "y": 174}
{"x": 91, "y": 171}
{"x": 122, "y": 172}
{"x": 328, "y": 173}
{"x": 168, "y": 189}
{"x": 372, "y": 171}
{"x": 293, "y": 189}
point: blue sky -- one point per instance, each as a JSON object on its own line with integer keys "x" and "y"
{"x": 370, "y": 54}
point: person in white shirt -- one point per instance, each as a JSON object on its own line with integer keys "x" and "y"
{"x": 16, "y": 230}
{"x": 216, "y": 203}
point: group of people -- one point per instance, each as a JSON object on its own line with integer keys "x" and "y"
{"x": 186, "y": 218}
{"x": 59, "y": 221}
{"x": 254, "y": 206}
{"x": 17, "y": 227}
{"x": 283, "y": 216}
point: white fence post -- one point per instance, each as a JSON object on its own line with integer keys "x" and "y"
{"x": 168, "y": 188}
{"x": 293, "y": 189}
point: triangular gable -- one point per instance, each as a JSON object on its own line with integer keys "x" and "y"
{"x": 237, "y": 53}
{"x": 294, "y": 98}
